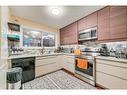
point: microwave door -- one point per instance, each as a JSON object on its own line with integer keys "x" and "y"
{"x": 84, "y": 36}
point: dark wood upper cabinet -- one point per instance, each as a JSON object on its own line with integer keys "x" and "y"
{"x": 87, "y": 22}
{"x": 91, "y": 20}
{"x": 69, "y": 34}
{"x": 104, "y": 24}
{"x": 82, "y": 24}
{"x": 118, "y": 22}
{"x": 111, "y": 22}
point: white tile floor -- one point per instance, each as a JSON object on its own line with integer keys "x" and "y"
{"x": 57, "y": 80}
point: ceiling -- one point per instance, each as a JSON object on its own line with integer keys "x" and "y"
{"x": 41, "y": 14}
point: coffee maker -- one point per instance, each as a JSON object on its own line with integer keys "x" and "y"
{"x": 104, "y": 51}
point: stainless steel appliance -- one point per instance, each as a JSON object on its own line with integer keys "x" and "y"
{"x": 94, "y": 33}
{"x": 87, "y": 75}
{"x": 104, "y": 51}
{"x": 88, "y": 34}
{"x": 28, "y": 68}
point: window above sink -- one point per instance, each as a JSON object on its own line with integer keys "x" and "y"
{"x": 35, "y": 38}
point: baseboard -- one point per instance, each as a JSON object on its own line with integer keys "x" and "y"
{"x": 47, "y": 73}
{"x": 100, "y": 86}
{"x": 69, "y": 72}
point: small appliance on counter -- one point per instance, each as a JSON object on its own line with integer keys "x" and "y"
{"x": 120, "y": 54}
{"x": 104, "y": 51}
{"x": 66, "y": 50}
{"x": 117, "y": 50}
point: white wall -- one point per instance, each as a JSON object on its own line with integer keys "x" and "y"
{"x": 4, "y": 12}
{"x": 34, "y": 25}
{"x": 4, "y": 18}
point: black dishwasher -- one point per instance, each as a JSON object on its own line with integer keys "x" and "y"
{"x": 28, "y": 67}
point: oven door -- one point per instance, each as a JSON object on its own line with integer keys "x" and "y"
{"x": 88, "y": 71}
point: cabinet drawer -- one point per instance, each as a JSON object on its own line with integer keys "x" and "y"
{"x": 41, "y": 70}
{"x": 110, "y": 81}
{"x": 69, "y": 67}
{"x": 112, "y": 70}
{"x": 45, "y": 61}
{"x": 69, "y": 59}
{"x": 114, "y": 63}
{"x": 69, "y": 56}
{"x": 46, "y": 57}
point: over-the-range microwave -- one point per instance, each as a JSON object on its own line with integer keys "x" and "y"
{"x": 88, "y": 34}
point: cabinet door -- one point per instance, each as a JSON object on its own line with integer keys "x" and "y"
{"x": 118, "y": 20}
{"x": 41, "y": 70}
{"x": 69, "y": 35}
{"x": 110, "y": 82}
{"x": 103, "y": 24}
{"x": 111, "y": 74}
{"x": 81, "y": 24}
{"x": 62, "y": 36}
{"x": 69, "y": 63}
{"x": 91, "y": 20}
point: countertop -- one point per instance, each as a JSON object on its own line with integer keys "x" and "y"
{"x": 70, "y": 54}
{"x": 112, "y": 59}
{"x": 38, "y": 55}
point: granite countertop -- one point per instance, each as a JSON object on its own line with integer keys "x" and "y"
{"x": 38, "y": 55}
{"x": 112, "y": 59}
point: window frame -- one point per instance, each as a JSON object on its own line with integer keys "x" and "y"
{"x": 35, "y": 29}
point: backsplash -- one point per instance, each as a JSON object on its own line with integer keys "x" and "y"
{"x": 95, "y": 44}
{"x": 83, "y": 45}
{"x": 116, "y": 46}
{"x": 115, "y": 49}
{"x": 92, "y": 43}
{"x": 39, "y": 51}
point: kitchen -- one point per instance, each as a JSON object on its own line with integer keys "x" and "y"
{"x": 86, "y": 50}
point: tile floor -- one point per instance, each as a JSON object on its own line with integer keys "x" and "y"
{"x": 57, "y": 80}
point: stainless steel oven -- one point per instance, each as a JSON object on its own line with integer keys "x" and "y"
{"x": 88, "y": 74}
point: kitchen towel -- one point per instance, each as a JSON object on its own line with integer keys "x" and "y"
{"x": 82, "y": 63}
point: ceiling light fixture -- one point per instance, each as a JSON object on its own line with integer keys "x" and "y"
{"x": 55, "y": 11}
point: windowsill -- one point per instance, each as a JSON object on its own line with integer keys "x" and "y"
{"x": 38, "y": 47}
